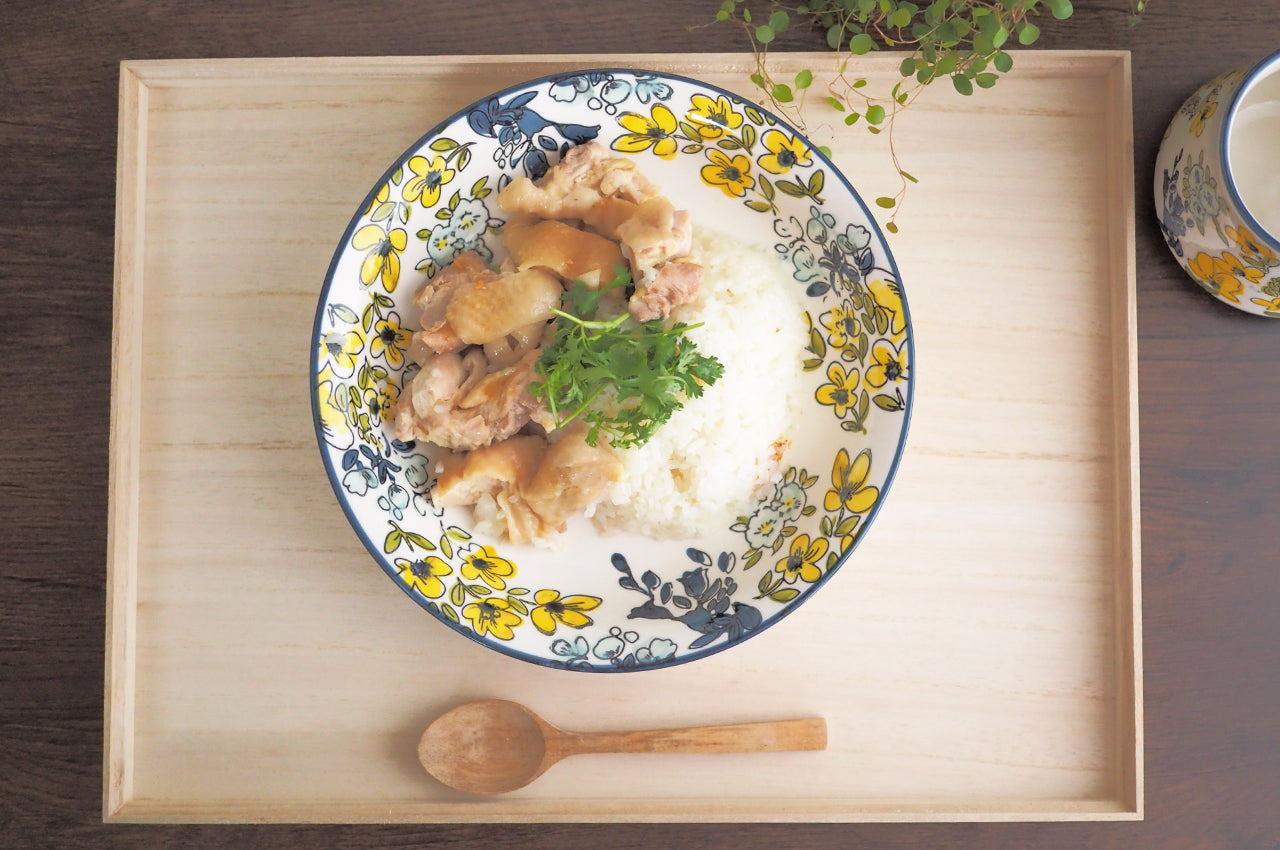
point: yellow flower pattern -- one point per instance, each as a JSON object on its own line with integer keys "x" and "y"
{"x": 382, "y": 257}
{"x": 1222, "y": 274}
{"x": 729, "y": 174}
{"x": 802, "y": 560}
{"x": 341, "y": 350}
{"x": 389, "y": 340}
{"x": 849, "y": 490}
{"x": 424, "y": 576}
{"x": 428, "y": 178}
{"x": 713, "y": 118}
{"x": 841, "y": 391}
{"x": 842, "y": 324}
{"x": 553, "y": 609}
{"x": 483, "y": 563}
{"x": 784, "y": 153}
{"x": 888, "y": 364}
{"x": 1202, "y": 116}
{"x": 492, "y": 617}
{"x": 645, "y": 132}
{"x": 1256, "y": 253}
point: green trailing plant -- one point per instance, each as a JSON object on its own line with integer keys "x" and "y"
{"x": 963, "y": 41}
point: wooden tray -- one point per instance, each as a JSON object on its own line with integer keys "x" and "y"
{"x": 980, "y": 655}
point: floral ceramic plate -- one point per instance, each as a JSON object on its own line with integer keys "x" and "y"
{"x": 617, "y": 602}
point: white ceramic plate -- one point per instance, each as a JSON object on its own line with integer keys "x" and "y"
{"x": 618, "y": 602}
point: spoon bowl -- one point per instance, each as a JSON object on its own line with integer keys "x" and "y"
{"x": 493, "y": 746}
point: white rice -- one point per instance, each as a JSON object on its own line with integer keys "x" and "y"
{"x": 714, "y": 457}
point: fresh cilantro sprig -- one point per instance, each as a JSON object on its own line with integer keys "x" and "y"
{"x": 650, "y": 369}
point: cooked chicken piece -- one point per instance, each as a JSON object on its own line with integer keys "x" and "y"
{"x": 492, "y": 479}
{"x": 656, "y": 233}
{"x": 673, "y": 284}
{"x": 464, "y": 478}
{"x": 432, "y": 392}
{"x": 436, "y": 333}
{"x": 607, "y": 214}
{"x": 490, "y": 306}
{"x": 570, "y": 253}
{"x": 454, "y": 404}
{"x": 571, "y": 476}
{"x": 573, "y": 187}
{"x": 509, "y": 349}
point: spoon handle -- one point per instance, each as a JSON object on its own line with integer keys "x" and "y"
{"x": 772, "y": 736}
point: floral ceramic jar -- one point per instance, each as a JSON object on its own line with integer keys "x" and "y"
{"x": 1217, "y": 187}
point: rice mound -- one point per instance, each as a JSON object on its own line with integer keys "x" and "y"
{"x": 709, "y": 463}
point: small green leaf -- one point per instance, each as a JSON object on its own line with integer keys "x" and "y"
{"x": 851, "y": 118}
{"x": 857, "y": 84}
{"x": 345, "y": 313}
{"x": 886, "y": 203}
{"x": 442, "y": 144}
{"x": 835, "y": 33}
{"x": 962, "y": 84}
{"x": 763, "y": 586}
{"x": 907, "y": 176}
{"x": 861, "y": 44}
{"x": 785, "y": 594}
{"x": 825, "y": 151}
{"x": 446, "y": 546}
{"x": 782, "y": 93}
{"x": 887, "y": 402}
{"x": 458, "y": 594}
{"x": 875, "y": 113}
{"x": 835, "y": 103}
{"x": 900, "y": 18}
{"x": 1028, "y": 33}
{"x": 1003, "y": 62}
{"x": 418, "y": 540}
{"x": 457, "y": 533}
{"x": 449, "y": 614}
{"x": 779, "y": 21}
{"x": 518, "y": 605}
{"x": 999, "y": 37}
{"x": 396, "y": 175}
{"x": 804, "y": 79}
{"x": 722, "y": 15}
{"x": 986, "y": 81}
{"x": 1062, "y": 10}
{"x": 746, "y": 14}
{"x": 908, "y": 66}
{"x": 393, "y": 541}
{"x": 764, "y": 34}
{"x": 759, "y": 206}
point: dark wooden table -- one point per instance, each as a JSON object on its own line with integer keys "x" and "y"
{"x": 1210, "y": 407}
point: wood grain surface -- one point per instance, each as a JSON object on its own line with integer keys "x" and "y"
{"x": 1209, "y": 404}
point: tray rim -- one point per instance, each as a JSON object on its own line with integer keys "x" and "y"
{"x": 120, "y": 804}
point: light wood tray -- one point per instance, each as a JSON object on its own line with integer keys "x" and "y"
{"x": 978, "y": 659}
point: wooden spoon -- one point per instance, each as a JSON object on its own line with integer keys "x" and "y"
{"x": 493, "y": 745}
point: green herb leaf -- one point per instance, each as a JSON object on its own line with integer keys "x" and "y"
{"x": 645, "y": 370}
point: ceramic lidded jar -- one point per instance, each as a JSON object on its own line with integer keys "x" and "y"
{"x": 1217, "y": 187}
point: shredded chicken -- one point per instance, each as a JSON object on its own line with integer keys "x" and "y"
{"x": 674, "y": 283}
{"x": 575, "y": 186}
{"x": 482, "y": 333}
{"x": 656, "y": 233}
{"x": 531, "y": 485}
{"x": 490, "y": 306}
{"x": 436, "y": 333}
{"x": 568, "y": 252}
{"x": 455, "y": 404}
